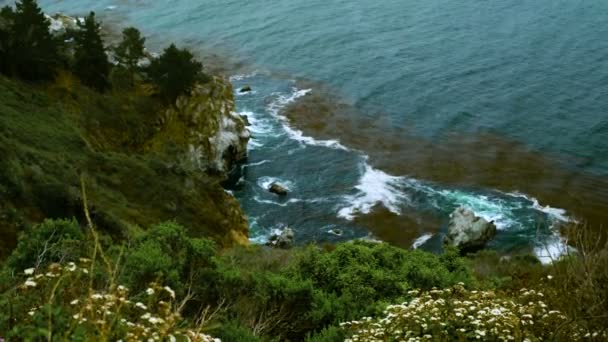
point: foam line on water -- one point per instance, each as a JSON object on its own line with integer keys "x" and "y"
{"x": 556, "y": 214}
{"x": 281, "y": 101}
{"x": 374, "y": 187}
{"x": 265, "y": 161}
{"x": 421, "y": 240}
{"x": 283, "y": 204}
{"x": 240, "y": 77}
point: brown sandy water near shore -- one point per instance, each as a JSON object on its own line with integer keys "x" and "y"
{"x": 482, "y": 159}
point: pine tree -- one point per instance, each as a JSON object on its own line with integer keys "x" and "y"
{"x": 175, "y": 72}
{"x": 91, "y": 63}
{"x": 32, "y": 51}
{"x": 6, "y": 20}
{"x": 131, "y": 48}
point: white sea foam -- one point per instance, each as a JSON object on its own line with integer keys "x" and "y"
{"x": 552, "y": 249}
{"x": 421, "y": 240}
{"x": 241, "y": 77}
{"x": 280, "y": 204}
{"x": 262, "y": 162}
{"x": 256, "y": 125}
{"x": 490, "y": 209}
{"x": 374, "y": 187}
{"x": 556, "y": 214}
{"x": 253, "y": 144}
{"x": 245, "y": 93}
{"x": 280, "y": 103}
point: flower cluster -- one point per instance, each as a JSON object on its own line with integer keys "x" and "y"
{"x": 110, "y": 311}
{"x": 459, "y": 314}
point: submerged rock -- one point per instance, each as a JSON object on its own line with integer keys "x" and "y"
{"x": 278, "y": 189}
{"x": 284, "y": 239}
{"x": 336, "y": 232}
{"x": 469, "y": 232}
{"x": 245, "y": 89}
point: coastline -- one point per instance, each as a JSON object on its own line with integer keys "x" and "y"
{"x": 327, "y": 121}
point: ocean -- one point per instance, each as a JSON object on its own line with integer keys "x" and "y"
{"x": 382, "y": 117}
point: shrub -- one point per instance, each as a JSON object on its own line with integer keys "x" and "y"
{"x": 165, "y": 252}
{"x": 91, "y": 63}
{"x": 175, "y": 72}
{"x": 64, "y": 303}
{"x": 49, "y": 242}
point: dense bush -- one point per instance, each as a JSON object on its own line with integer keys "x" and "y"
{"x": 165, "y": 252}
{"x": 49, "y": 242}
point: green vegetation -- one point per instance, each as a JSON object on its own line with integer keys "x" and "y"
{"x": 245, "y": 292}
{"x": 176, "y": 72}
{"x": 151, "y": 249}
{"x": 28, "y": 49}
{"x": 63, "y": 274}
{"x": 128, "y": 53}
{"x": 131, "y": 49}
{"x": 91, "y": 63}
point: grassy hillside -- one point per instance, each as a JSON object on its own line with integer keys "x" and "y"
{"x": 50, "y": 136}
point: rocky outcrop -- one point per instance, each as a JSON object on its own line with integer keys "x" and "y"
{"x": 205, "y": 126}
{"x": 278, "y": 189}
{"x": 284, "y": 239}
{"x": 61, "y": 23}
{"x": 467, "y": 231}
{"x": 245, "y": 89}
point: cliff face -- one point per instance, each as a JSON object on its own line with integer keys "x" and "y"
{"x": 205, "y": 126}
{"x": 139, "y": 169}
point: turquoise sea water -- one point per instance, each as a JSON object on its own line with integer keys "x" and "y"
{"x": 532, "y": 72}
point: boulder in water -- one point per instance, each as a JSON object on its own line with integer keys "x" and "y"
{"x": 245, "y": 89}
{"x": 284, "y": 239}
{"x": 278, "y": 189}
{"x": 469, "y": 232}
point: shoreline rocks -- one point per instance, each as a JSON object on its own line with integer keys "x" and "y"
{"x": 245, "y": 89}
{"x": 469, "y": 232}
{"x": 284, "y": 239}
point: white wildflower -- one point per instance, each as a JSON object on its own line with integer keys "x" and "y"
{"x": 30, "y": 283}
{"x": 150, "y": 291}
{"x": 29, "y": 271}
{"x": 170, "y": 291}
{"x": 141, "y": 306}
